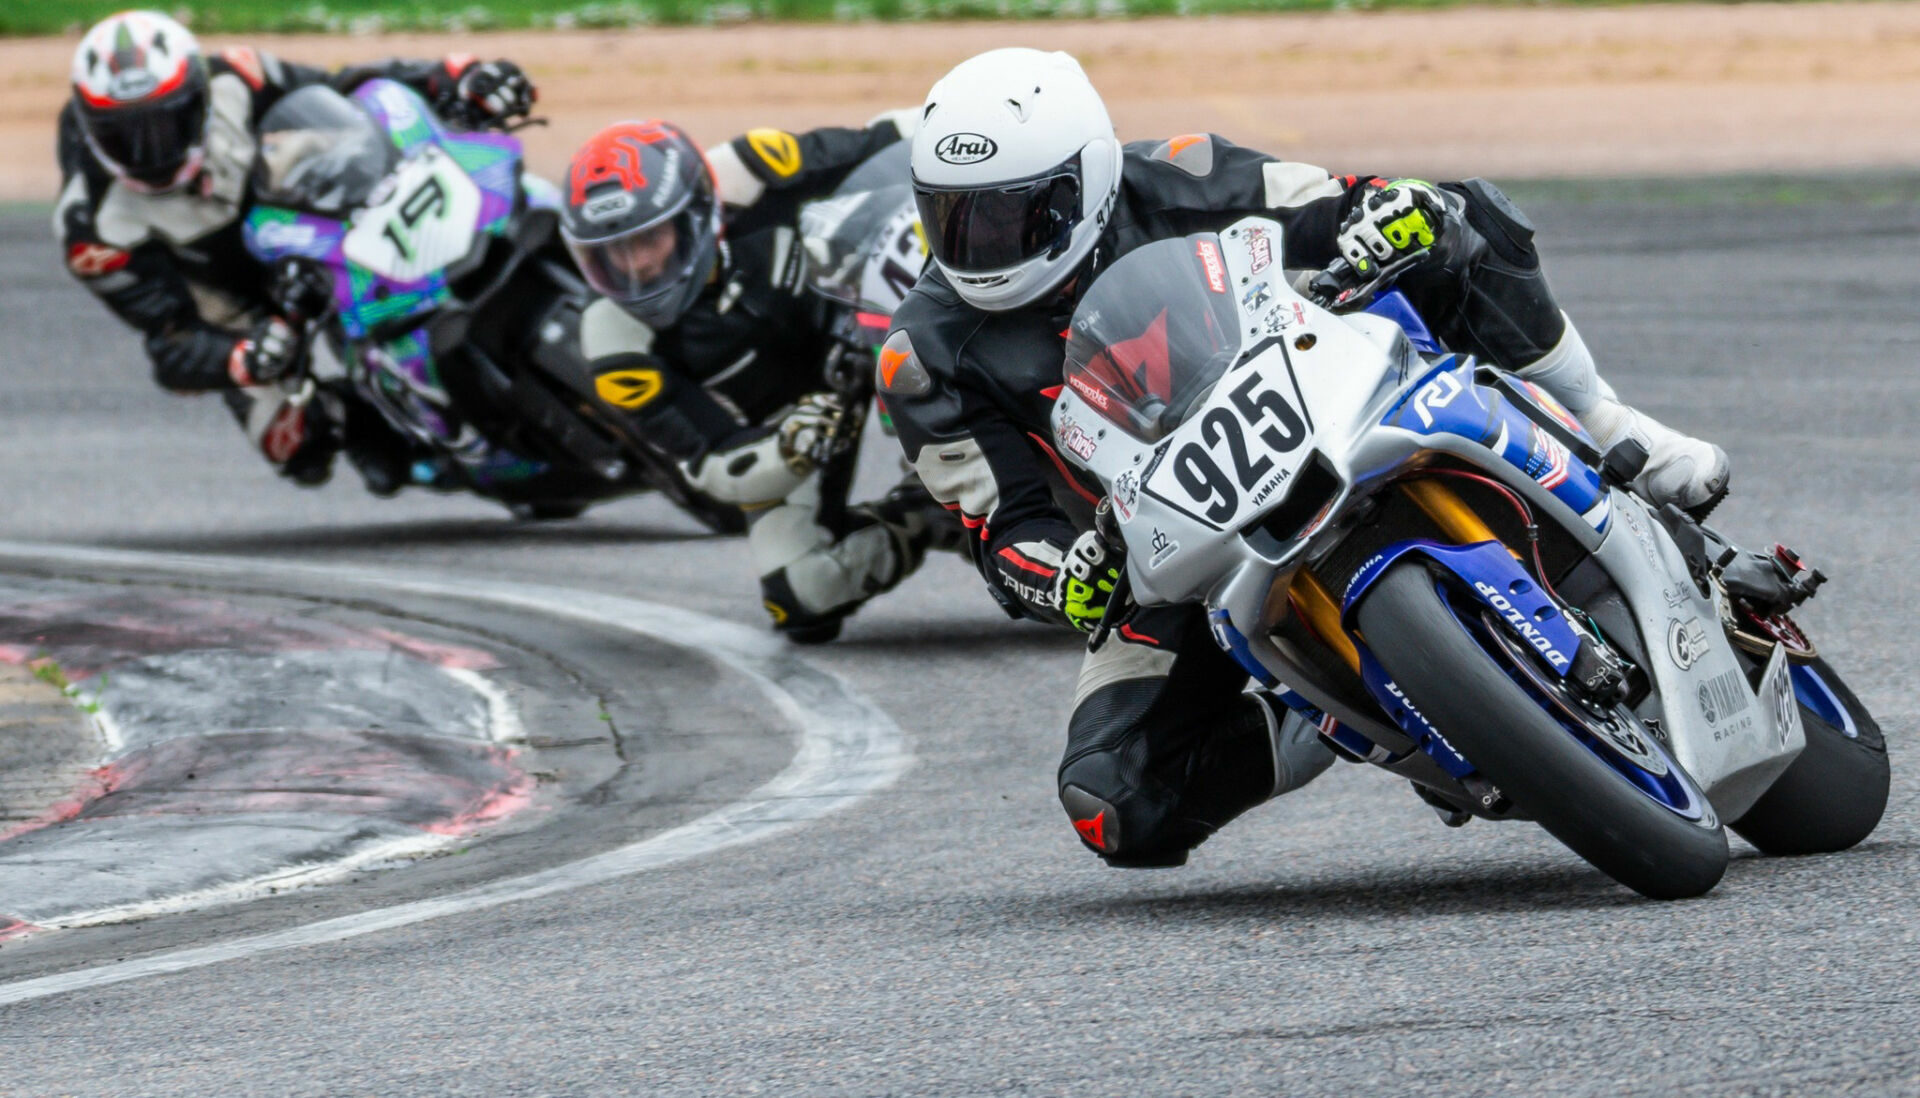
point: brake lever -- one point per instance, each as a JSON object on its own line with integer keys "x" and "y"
{"x": 1120, "y": 601}
{"x": 1357, "y": 297}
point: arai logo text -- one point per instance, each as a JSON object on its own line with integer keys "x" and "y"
{"x": 965, "y": 148}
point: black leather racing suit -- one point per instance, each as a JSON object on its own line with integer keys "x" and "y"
{"x": 710, "y": 390}
{"x": 174, "y": 266}
{"x": 1162, "y": 748}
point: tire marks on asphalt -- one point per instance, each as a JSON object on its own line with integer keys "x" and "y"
{"x": 847, "y": 747}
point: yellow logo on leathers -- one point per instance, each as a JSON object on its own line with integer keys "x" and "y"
{"x": 777, "y": 149}
{"x": 628, "y": 388}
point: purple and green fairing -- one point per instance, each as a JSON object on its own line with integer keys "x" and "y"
{"x": 369, "y": 302}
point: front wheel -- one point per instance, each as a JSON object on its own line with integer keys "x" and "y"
{"x": 1836, "y": 790}
{"x": 1649, "y": 827}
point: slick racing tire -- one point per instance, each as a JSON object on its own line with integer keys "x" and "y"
{"x": 1536, "y": 761}
{"x": 1836, "y": 790}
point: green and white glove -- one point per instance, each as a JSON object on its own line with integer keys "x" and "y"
{"x": 1088, "y": 573}
{"x": 1403, "y": 216}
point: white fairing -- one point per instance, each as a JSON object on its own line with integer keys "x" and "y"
{"x": 1340, "y": 375}
{"x": 404, "y": 238}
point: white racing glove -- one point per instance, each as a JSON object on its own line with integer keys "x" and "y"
{"x": 1403, "y": 216}
{"x": 806, "y": 432}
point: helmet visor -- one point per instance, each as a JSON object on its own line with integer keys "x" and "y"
{"x": 992, "y": 228}
{"x": 645, "y": 268}
{"x": 151, "y": 142}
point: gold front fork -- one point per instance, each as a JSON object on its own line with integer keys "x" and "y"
{"x": 1451, "y": 514}
{"x": 1314, "y": 603}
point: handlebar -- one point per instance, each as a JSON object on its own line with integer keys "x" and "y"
{"x": 1340, "y": 288}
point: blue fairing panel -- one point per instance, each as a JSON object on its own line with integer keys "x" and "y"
{"x": 1489, "y": 573}
{"x": 1393, "y": 305}
{"x": 1449, "y": 402}
{"x": 1234, "y": 643}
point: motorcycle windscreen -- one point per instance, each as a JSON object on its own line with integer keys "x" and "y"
{"x": 1152, "y": 336}
{"x": 840, "y": 233}
{"x": 320, "y": 153}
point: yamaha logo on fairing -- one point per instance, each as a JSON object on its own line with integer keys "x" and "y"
{"x": 965, "y": 148}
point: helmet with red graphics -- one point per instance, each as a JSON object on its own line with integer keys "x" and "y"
{"x": 140, "y": 85}
{"x": 642, "y": 218}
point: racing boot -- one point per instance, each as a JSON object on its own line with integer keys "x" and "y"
{"x": 297, "y": 429}
{"x": 1688, "y": 472}
{"x": 821, "y": 579}
{"x": 1264, "y": 750}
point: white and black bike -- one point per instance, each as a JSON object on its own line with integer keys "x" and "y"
{"x": 1433, "y": 560}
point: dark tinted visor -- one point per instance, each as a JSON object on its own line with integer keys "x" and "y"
{"x": 151, "y": 141}
{"x": 998, "y": 227}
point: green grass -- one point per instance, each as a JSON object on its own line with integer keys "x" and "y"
{"x": 20, "y": 17}
{"x": 48, "y": 670}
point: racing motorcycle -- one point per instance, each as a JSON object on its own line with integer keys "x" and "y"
{"x": 432, "y": 264}
{"x": 864, "y": 250}
{"x": 1432, "y": 560}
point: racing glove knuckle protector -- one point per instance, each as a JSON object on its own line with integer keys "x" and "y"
{"x": 1088, "y": 573}
{"x": 496, "y": 90}
{"x": 268, "y": 353}
{"x": 1400, "y": 217}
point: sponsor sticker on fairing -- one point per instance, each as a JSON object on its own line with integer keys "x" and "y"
{"x": 1075, "y": 439}
{"x": 1126, "y": 495}
{"x": 1210, "y": 260}
{"x": 1686, "y": 642}
{"x": 1261, "y": 248}
{"x": 1164, "y": 548}
{"x": 1088, "y": 392}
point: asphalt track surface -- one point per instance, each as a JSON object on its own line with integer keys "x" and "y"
{"x": 945, "y": 935}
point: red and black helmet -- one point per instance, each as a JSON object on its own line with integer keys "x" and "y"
{"x": 642, "y": 218}
{"x": 140, "y": 84}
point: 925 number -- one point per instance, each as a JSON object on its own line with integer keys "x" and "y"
{"x": 1195, "y": 468}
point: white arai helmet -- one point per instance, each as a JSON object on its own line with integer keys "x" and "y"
{"x": 1015, "y": 168}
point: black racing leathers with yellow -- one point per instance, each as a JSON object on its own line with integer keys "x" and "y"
{"x": 755, "y": 340}
{"x": 1162, "y": 748}
{"x": 711, "y": 388}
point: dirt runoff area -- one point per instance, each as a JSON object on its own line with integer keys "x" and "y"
{"x": 1508, "y": 93}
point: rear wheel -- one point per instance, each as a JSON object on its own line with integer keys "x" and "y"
{"x": 1600, "y": 783}
{"x": 1836, "y": 790}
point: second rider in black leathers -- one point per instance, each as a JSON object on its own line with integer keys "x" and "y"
{"x": 1026, "y": 196}
{"x": 705, "y": 334}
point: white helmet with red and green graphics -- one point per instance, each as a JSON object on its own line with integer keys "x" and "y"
{"x": 140, "y": 85}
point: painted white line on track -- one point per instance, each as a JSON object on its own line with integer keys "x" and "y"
{"x": 503, "y": 720}
{"x": 265, "y": 884}
{"x": 847, "y": 748}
